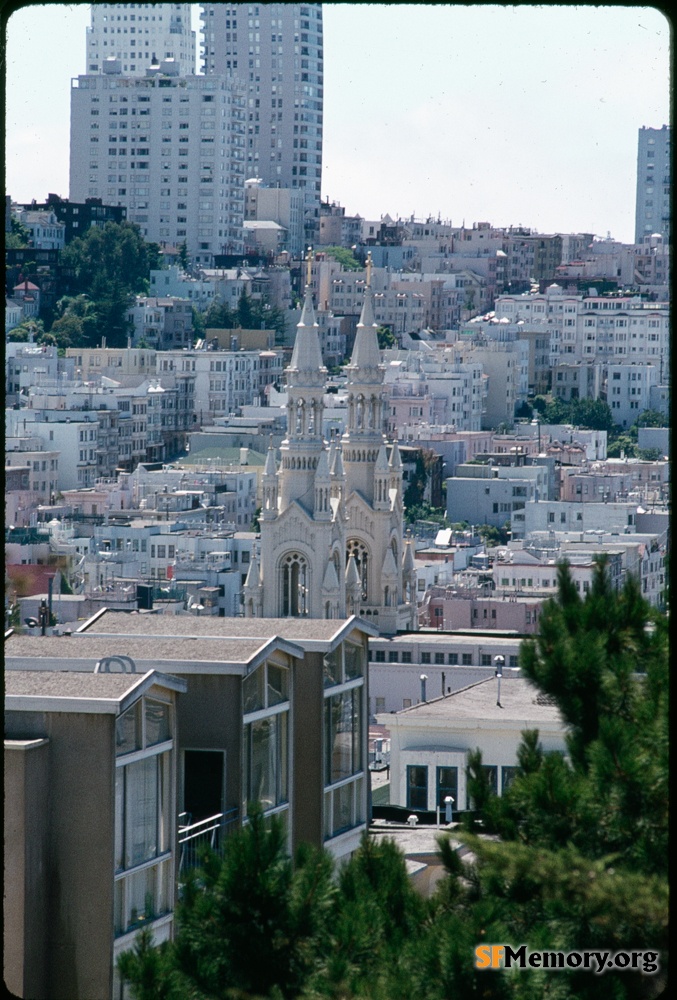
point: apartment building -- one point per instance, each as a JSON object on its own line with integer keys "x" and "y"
{"x": 629, "y": 390}
{"x": 139, "y": 35}
{"x": 277, "y": 50}
{"x": 77, "y": 217}
{"x": 285, "y": 206}
{"x": 613, "y": 328}
{"x": 506, "y": 365}
{"x": 47, "y": 233}
{"x": 654, "y": 182}
{"x": 434, "y": 387}
{"x": 175, "y": 283}
{"x": 112, "y": 361}
{"x": 168, "y": 148}
{"x": 162, "y": 323}
{"x": 450, "y": 661}
{"x": 488, "y": 494}
{"x": 224, "y": 380}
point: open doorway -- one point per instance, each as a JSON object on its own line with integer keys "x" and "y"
{"x": 204, "y": 773}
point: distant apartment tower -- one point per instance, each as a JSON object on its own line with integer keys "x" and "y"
{"x": 140, "y": 34}
{"x": 169, "y": 148}
{"x": 654, "y": 183}
{"x": 276, "y": 49}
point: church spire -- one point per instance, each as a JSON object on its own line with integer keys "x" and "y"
{"x": 307, "y": 354}
{"x": 300, "y": 451}
{"x": 366, "y": 357}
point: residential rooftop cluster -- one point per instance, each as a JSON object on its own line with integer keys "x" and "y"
{"x": 274, "y": 512}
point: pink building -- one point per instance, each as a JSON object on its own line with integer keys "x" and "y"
{"x": 447, "y": 608}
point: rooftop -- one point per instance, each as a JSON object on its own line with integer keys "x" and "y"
{"x": 443, "y": 639}
{"x": 521, "y": 704}
{"x": 65, "y": 691}
{"x": 81, "y": 652}
{"x": 294, "y": 629}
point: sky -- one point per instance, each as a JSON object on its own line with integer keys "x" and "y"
{"x": 522, "y": 115}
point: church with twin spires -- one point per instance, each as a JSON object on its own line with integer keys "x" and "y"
{"x": 331, "y": 520}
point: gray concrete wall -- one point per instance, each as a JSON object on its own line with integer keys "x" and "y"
{"x": 82, "y": 780}
{"x": 307, "y": 754}
{"x": 210, "y": 718}
{"x": 26, "y": 845}
{"x": 79, "y": 825}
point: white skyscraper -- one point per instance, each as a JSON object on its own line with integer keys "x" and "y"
{"x": 276, "y": 49}
{"x": 139, "y": 34}
{"x": 169, "y": 148}
{"x": 654, "y": 184}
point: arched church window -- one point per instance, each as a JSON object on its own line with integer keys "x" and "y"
{"x": 361, "y": 555}
{"x": 295, "y": 581}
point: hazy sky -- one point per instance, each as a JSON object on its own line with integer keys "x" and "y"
{"x": 512, "y": 115}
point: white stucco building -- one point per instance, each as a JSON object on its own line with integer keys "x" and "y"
{"x": 169, "y": 148}
{"x": 430, "y": 742}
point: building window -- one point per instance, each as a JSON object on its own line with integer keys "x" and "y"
{"x": 144, "y": 811}
{"x": 406, "y": 657}
{"x": 466, "y": 659}
{"x": 439, "y": 658}
{"x": 508, "y": 775}
{"x": 417, "y": 787}
{"x": 485, "y": 659}
{"x": 447, "y": 784}
{"x": 452, "y": 659}
{"x": 345, "y": 790}
{"x": 361, "y": 556}
{"x": 265, "y": 769}
{"x": 295, "y": 581}
{"x": 425, "y": 657}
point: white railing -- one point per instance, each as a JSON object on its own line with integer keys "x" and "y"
{"x": 206, "y": 833}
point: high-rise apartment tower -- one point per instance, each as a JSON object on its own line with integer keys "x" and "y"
{"x": 140, "y": 34}
{"x": 276, "y": 49}
{"x": 654, "y": 183}
{"x": 169, "y": 148}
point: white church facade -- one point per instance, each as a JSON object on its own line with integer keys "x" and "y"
{"x": 331, "y": 521}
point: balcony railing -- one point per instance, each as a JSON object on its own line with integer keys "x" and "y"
{"x": 195, "y": 837}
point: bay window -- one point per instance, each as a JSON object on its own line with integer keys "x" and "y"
{"x": 344, "y": 739}
{"x": 144, "y": 811}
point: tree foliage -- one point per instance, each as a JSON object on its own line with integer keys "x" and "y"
{"x": 19, "y": 236}
{"x": 590, "y": 414}
{"x": 386, "y": 338}
{"x": 251, "y": 314}
{"x": 344, "y": 256}
{"x": 27, "y": 328}
{"x": 108, "y": 265}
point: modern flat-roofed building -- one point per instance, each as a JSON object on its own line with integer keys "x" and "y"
{"x": 326, "y": 691}
{"x": 430, "y": 742}
{"x": 90, "y": 821}
{"x": 272, "y": 711}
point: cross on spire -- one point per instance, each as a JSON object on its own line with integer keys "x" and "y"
{"x": 309, "y": 265}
